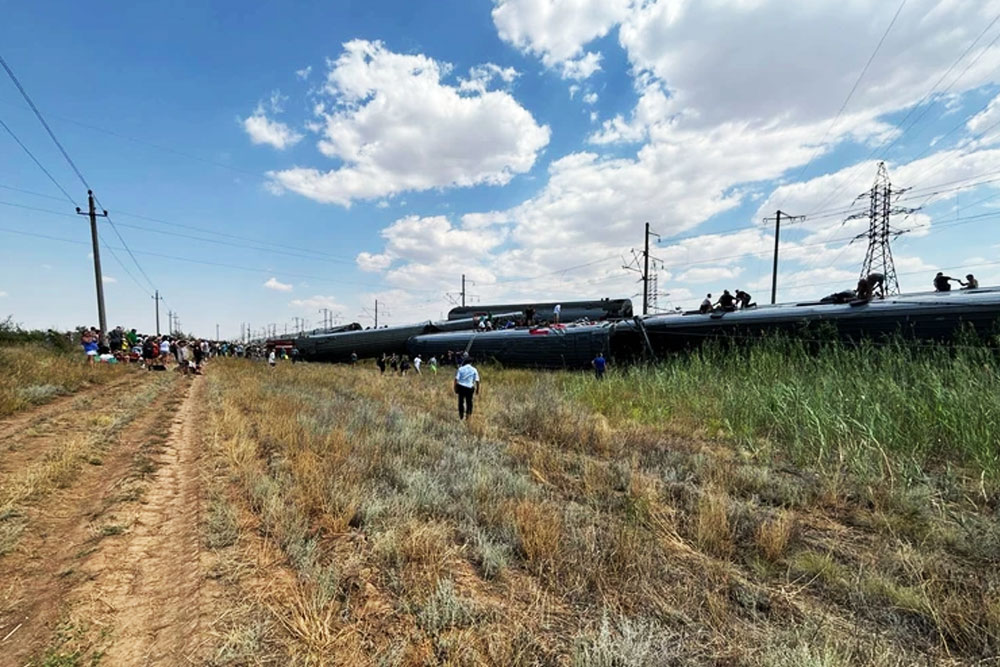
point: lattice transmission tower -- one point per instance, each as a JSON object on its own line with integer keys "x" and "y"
{"x": 878, "y": 258}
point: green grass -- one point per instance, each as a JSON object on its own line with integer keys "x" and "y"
{"x": 877, "y": 410}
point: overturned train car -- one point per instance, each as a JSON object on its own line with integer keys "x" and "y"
{"x": 929, "y": 316}
{"x": 597, "y": 310}
{"x": 569, "y": 347}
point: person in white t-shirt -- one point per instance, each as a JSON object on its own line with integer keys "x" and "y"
{"x": 466, "y": 385}
{"x": 416, "y": 363}
{"x": 557, "y": 311}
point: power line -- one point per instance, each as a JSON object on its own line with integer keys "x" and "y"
{"x": 37, "y": 162}
{"x": 912, "y": 109}
{"x": 854, "y": 88}
{"x": 69, "y": 160}
{"x": 41, "y": 119}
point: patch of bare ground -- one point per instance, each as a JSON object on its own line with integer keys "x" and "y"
{"x": 60, "y": 503}
{"x": 149, "y": 586}
{"x": 108, "y": 567}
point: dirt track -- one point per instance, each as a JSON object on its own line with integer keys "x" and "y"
{"x": 106, "y": 562}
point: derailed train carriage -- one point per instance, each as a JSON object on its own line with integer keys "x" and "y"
{"x": 594, "y": 310}
{"x": 928, "y": 316}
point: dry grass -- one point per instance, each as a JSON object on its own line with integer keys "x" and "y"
{"x": 35, "y": 374}
{"x": 547, "y": 533}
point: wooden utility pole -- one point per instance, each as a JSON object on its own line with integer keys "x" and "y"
{"x": 376, "y": 308}
{"x": 157, "y": 299}
{"x": 463, "y": 290}
{"x": 93, "y": 214}
{"x": 777, "y": 233}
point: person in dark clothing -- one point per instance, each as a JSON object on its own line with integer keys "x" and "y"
{"x": 529, "y": 316}
{"x": 295, "y": 355}
{"x": 942, "y": 283}
{"x": 600, "y": 364}
{"x": 864, "y": 290}
{"x": 727, "y": 302}
{"x": 150, "y": 350}
{"x": 876, "y": 284}
{"x": 394, "y": 363}
{"x": 380, "y": 362}
{"x": 404, "y": 365}
{"x": 743, "y": 299}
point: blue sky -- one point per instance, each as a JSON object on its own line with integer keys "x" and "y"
{"x": 263, "y": 161}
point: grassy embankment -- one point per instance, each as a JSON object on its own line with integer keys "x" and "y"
{"x": 37, "y": 366}
{"x": 764, "y": 508}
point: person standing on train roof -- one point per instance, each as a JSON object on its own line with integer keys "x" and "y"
{"x": 942, "y": 283}
{"x": 556, "y": 312}
{"x": 970, "y": 282}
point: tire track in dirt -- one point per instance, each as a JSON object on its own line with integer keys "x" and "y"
{"x": 64, "y": 526}
{"x": 62, "y": 416}
{"x": 154, "y": 581}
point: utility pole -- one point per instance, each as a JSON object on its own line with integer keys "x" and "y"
{"x": 157, "y": 299}
{"x": 170, "y": 322}
{"x": 463, "y": 290}
{"x": 777, "y": 234}
{"x": 326, "y": 317}
{"x": 217, "y": 332}
{"x": 376, "y": 305}
{"x": 645, "y": 274}
{"x": 93, "y": 214}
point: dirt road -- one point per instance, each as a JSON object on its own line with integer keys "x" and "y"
{"x": 100, "y": 554}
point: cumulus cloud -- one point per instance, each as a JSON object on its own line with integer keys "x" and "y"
{"x": 556, "y": 30}
{"x": 705, "y": 137}
{"x": 276, "y": 285}
{"x": 263, "y": 130}
{"x": 394, "y": 124}
{"x": 582, "y": 67}
{"x": 481, "y": 76}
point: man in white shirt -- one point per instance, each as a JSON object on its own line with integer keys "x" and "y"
{"x": 416, "y": 363}
{"x": 557, "y": 311}
{"x": 466, "y": 385}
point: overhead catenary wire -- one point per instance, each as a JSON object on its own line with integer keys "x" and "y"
{"x": 38, "y": 163}
{"x": 850, "y": 94}
{"x": 902, "y": 124}
{"x": 69, "y": 160}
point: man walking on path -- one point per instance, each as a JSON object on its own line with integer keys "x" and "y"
{"x": 466, "y": 385}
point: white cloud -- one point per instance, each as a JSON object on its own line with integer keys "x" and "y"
{"x": 275, "y": 284}
{"x": 710, "y": 136}
{"x": 318, "y": 301}
{"x": 556, "y": 30}
{"x": 263, "y": 130}
{"x": 394, "y": 125}
{"x": 481, "y": 76}
{"x": 583, "y": 67}
{"x": 108, "y": 280}
{"x": 2, "y": 294}
{"x": 304, "y": 72}
{"x": 590, "y": 98}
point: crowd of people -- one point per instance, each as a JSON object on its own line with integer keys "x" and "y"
{"x": 155, "y": 352}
